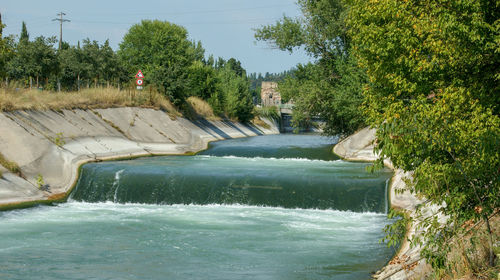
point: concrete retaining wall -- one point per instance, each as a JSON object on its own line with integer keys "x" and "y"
{"x": 53, "y": 144}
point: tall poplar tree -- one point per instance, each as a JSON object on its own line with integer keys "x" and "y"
{"x": 24, "y": 36}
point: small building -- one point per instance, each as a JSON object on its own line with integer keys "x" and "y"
{"x": 269, "y": 94}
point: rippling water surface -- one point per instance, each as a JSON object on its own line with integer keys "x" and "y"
{"x": 268, "y": 207}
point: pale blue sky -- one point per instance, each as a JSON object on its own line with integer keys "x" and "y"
{"x": 223, "y": 26}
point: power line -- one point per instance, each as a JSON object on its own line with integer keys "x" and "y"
{"x": 61, "y": 20}
{"x": 204, "y": 11}
{"x": 182, "y": 22}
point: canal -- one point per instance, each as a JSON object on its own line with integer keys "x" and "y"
{"x": 266, "y": 207}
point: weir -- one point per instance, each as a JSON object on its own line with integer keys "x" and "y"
{"x": 234, "y": 180}
{"x": 289, "y": 177}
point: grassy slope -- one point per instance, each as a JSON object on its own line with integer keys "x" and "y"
{"x": 25, "y": 99}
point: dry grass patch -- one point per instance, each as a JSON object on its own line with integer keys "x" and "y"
{"x": 199, "y": 108}
{"x": 9, "y": 165}
{"x": 25, "y": 99}
{"x": 259, "y": 122}
{"x": 468, "y": 258}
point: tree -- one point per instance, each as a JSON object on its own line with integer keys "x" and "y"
{"x": 332, "y": 89}
{"x": 314, "y": 96}
{"x": 237, "y": 99}
{"x": 24, "y": 33}
{"x": 203, "y": 80}
{"x": 92, "y": 60}
{"x": 20, "y": 66}
{"x": 72, "y": 67}
{"x": 34, "y": 59}
{"x": 434, "y": 98}
{"x": 109, "y": 67}
{"x": 43, "y": 62}
{"x": 6, "y": 51}
{"x": 162, "y": 50}
{"x": 235, "y": 66}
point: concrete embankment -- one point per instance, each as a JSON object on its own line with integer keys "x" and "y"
{"x": 407, "y": 263}
{"x": 50, "y": 146}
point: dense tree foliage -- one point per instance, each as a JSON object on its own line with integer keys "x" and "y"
{"x": 235, "y": 89}
{"x": 34, "y": 59}
{"x": 164, "y": 54}
{"x": 434, "y": 97}
{"x": 426, "y": 75}
{"x": 177, "y": 67}
{"x": 91, "y": 64}
{"x": 335, "y": 80}
{"x": 6, "y": 50}
{"x": 203, "y": 80}
{"x": 172, "y": 64}
{"x": 338, "y": 104}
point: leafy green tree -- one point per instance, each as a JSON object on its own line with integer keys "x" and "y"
{"x": 332, "y": 90}
{"x": 210, "y": 61}
{"x": 321, "y": 31}
{"x": 110, "y": 66}
{"x": 36, "y": 59}
{"x": 72, "y": 67}
{"x": 337, "y": 104}
{"x": 92, "y": 61}
{"x": 19, "y": 66}
{"x": 236, "y": 94}
{"x": 164, "y": 54}
{"x": 433, "y": 96}
{"x": 43, "y": 61}
{"x": 6, "y": 50}
{"x": 235, "y": 66}
{"x": 220, "y": 63}
{"x": 203, "y": 80}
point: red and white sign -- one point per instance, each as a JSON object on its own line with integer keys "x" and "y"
{"x": 139, "y": 75}
{"x": 139, "y": 82}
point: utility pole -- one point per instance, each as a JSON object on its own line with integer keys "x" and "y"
{"x": 61, "y": 20}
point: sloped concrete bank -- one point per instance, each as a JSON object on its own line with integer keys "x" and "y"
{"x": 407, "y": 263}
{"x": 50, "y": 146}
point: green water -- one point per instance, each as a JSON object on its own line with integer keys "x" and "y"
{"x": 244, "y": 209}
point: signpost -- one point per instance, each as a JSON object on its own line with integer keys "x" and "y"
{"x": 139, "y": 75}
{"x": 139, "y": 80}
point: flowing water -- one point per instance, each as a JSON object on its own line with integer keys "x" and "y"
{"x": 267, "y": 207}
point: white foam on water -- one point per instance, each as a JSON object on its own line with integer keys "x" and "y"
{"x": 214, "y": 214}
{"x": 234, "y": 235}
{"x": 385, "y": 196}
{"x": 116, "y": 184}
{"x": 260, "y": 159}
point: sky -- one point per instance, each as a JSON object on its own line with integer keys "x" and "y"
{"x": 225, "y": 27}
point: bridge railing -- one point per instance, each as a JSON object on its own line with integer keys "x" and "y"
{"x": 286, "y": 106}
